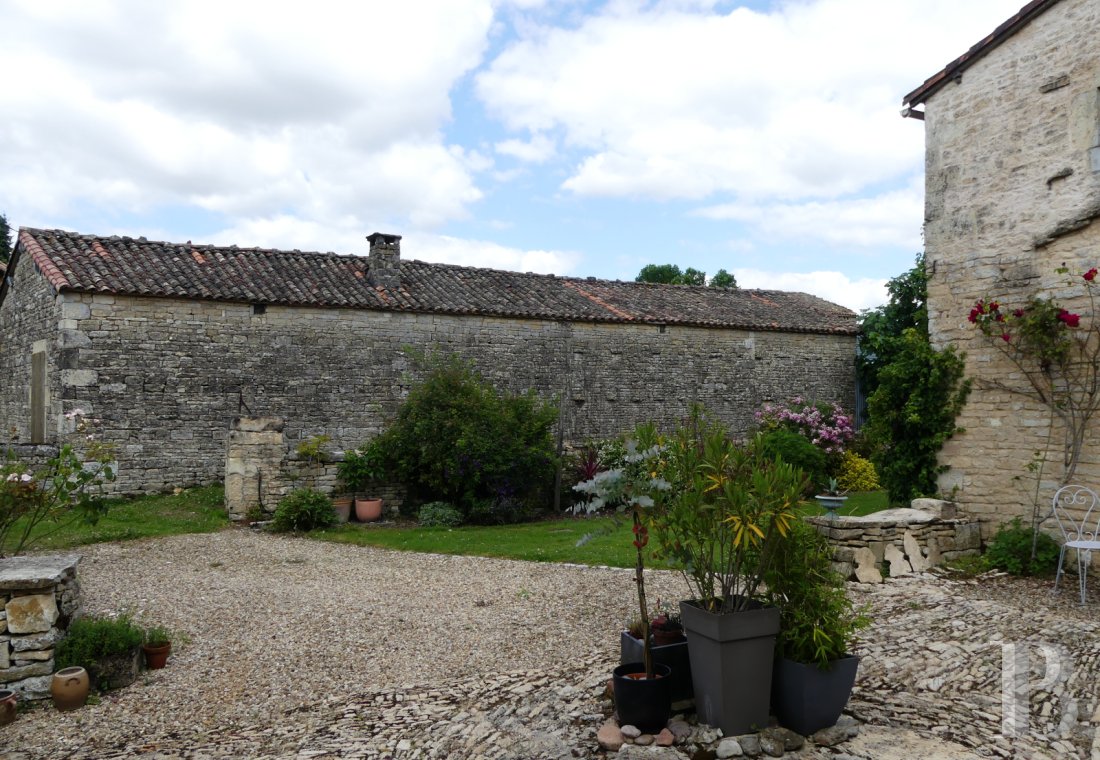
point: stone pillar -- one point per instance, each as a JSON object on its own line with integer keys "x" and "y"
{"x": 255, "y": 450}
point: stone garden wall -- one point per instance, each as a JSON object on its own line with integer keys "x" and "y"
{"x": 900, "y": 541}
{"x": 39, "y": 596}
{"x": 165, "y": 377}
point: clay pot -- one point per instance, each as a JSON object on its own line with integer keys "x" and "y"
{"x": 69, "y": 688}
{"x": 156, "y": 657}
{"x": 343, "y": 508}
{"x": 368, "y": 510}
{"x": 7, "y": 706}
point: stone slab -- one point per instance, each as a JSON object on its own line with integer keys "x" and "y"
{"x": 35, "y": 613}
{"x": 22, "y": 572}
{"x": 899, "y": 565}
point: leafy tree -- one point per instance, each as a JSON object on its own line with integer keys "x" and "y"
{"x": 913, "y": 410}
{"x": 670, "y": 274}
{"x": 881, "y": 340}
{"x": 723, "y": 279}
{"x": 5, "y": 240}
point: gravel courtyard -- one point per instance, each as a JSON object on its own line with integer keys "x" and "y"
{"x": 306, "y": 649}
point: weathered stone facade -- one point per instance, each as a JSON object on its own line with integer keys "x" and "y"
{"x": 164, "y": 376}
{"x": 38, "y": 598}
{"x": 1012, "y": 189}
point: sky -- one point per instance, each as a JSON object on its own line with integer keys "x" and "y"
{"x": 580, "y": 138}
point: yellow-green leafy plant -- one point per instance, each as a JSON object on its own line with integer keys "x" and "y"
{"x": 857, "y": 473}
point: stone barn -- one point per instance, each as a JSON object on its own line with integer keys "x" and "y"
{"x": 165, "y": 344}
{"x": 1012, "y": 132}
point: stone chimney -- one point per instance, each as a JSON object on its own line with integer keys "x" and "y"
{"x": 384, "y": 269}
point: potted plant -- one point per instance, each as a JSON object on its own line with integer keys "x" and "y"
{"x": 157, "y": 647}
{"x": 730, "y": 510}
{"x": 668, "y": 647}
{"x": 833, "y": 498}
{"x": 642, "y": 688}
{"x": 360, "y": 470}
{"x": 814, "y": 669}
{"x": 108, "y": 648}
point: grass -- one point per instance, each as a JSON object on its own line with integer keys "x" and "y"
{"x": 858, "y": 504}
{"x": 194, "y": 510}
{"x": 545, "y": 541}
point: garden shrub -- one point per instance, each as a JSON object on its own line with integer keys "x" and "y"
{"x": 795, "y": 449}
{"x": 458, "y": 439}
{"x": 304, "y": 509}
{"x": 857, "y": 473}
{"x": 1010, "y": 550}
{"x": 827, "y": 426}
{"x": 439, "y": 514}
{"x": 91, "y": 639}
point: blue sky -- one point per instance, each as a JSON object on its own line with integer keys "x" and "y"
{"x": 581, "y": 138}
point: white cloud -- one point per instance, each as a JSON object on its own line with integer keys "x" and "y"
{"x": 890, "y": 219}
{"x": 856, "y": 294}
{"x": 664, "y": 101}
{"x": 481, "y": 253}
{"x": 242, "y": 108}
{"x": 537, "y": 150}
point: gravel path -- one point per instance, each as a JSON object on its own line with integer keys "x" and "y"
{"x": 308, "y": 649}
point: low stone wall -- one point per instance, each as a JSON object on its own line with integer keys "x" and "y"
{"x": 900, "y": 541}
{"x": 39, "y": 595}
{"x": 261, "y": 467}
{"x": 33, "y": 456}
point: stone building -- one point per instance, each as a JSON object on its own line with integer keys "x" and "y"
{"x": 165, "y": 344}
{"x": 1012, "y": 131}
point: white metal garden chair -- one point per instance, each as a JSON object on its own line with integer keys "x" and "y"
{"x": 1075, "y": 510}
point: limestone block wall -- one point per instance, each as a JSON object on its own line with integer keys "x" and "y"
{"x": 899, "y": 541}
{"x": 38, "y": 596}
{"x": 1012, "y": 182}
{"x": 261, "y": 467}
{"x": 167, "y": 376}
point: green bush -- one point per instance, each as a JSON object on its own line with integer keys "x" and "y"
{"x": 857, "y": 473}
{"x": 91, "y": 639}
{"x": 460, "y": 440}
{"x": 364, "y": 467}
{"x": 795, "y": 449}
{"x": 304, "y": 509}
{"x": 439, "y": 514}
{"x": 1010, "y": 550}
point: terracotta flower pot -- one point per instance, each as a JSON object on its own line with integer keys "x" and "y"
{"x": 7, "y": 706}
{"x": 156, "y": 657}
{"x": 343, "y": 508}
{"x": 69, "y": 688}
{"x": 368, "y": 510}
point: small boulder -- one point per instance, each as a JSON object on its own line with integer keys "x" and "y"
{"x": 631, "y": 732}
{"x": 729, "y": 747}
{"x": 609, "y": 737}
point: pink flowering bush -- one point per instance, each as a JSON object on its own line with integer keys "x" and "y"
{"x": 826, "y": 426}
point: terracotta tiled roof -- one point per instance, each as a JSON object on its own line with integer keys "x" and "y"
{"x": 129, "y": 266}
{"x": 976, "y": 51}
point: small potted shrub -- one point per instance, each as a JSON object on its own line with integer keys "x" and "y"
{"x": 669, "y": 647}
{"x": 832, "y": 498}
{"x": 157, "y": 647}
{"x": 815, "y": 669}
{"x": 108, "y": 648}
{"x": 362, "y": 469}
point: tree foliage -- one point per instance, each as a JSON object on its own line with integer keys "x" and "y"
{"x": 671, "y": 274}
{"x": 5, "y": 240}
{"x": 882, "y": 329}
{"x": 912, "y": 414}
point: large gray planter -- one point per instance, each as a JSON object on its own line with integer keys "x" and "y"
{"x": 731, "y": 665}
{"x": 807, "y": 698}
{"x": 673, "y": 655}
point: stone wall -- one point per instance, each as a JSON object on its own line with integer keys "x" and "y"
{"x": 261, "y": 467}
{"x": 39, "y": 596}
{"x": 900, "y": 541}
{"x": 1013, "y": 153}
{"x": 165, "y": 377}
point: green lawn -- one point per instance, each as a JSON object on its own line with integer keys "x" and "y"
{"x": 194, "y": 510}
{"x": 544, "y": 541}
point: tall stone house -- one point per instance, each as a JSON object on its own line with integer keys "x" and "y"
{"x": 1012, "y": 193}
{"x": 165, "y": 344}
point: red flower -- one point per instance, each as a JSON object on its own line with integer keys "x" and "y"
{"x": 974, "y": 314}
{"x": 1090, "y": 275}
{"x": 1006, "y": 337}
{"x": 994, "y": 306}
{"x": 1070, "y": 320}
{"x": 1019, "y": 313}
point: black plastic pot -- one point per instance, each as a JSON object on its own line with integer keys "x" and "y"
{"x": 673, "y": 655}
{"x": 644, "y": 703}
{"x": 731, "y": 665}
{"x": 806, "y": 698}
